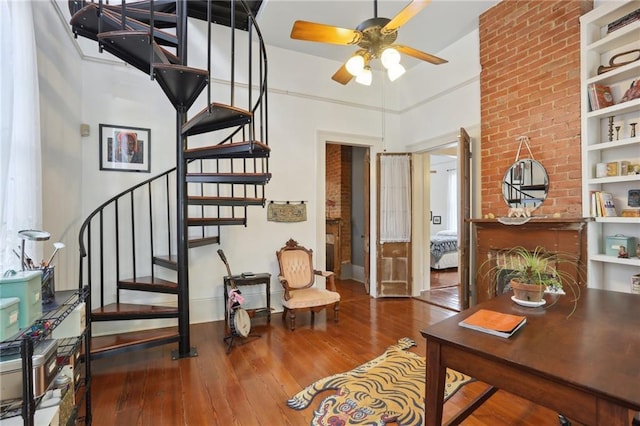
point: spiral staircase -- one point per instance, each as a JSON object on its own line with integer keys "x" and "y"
{"x": 134, "y": 247}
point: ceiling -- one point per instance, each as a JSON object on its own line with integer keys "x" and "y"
{"x": 437, "y": 26}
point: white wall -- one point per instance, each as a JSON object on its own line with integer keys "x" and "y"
{"x": 307, "y": 109}
{"x": 59, "y": 70}
{"x": 440, "y": 196}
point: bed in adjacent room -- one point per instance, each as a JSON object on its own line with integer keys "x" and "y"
{"x": 444, "y": 250}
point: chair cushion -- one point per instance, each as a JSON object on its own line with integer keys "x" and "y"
{"x": 297, "y": 268}
{"x": 310, "y": 297}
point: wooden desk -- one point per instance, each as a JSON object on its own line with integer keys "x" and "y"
{"x": 585, "y": 367}
{"x": 256, "y": 279}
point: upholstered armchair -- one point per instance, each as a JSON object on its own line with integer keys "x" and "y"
{"x": 297, "y": 276}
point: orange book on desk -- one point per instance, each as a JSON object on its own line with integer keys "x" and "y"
{"x": 492, "y": 322}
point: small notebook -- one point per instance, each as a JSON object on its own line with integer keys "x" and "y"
{"x": 492, "y": 322}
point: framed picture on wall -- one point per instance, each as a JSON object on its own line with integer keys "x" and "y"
{"x": 125, "y": 149}
{"x": 437, "y": 220}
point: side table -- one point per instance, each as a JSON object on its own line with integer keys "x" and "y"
{"x": 244, "y": 280}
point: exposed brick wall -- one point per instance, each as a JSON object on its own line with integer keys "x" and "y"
{"x": 345, "y": 203}
{"x": 530, "y": 86}
{"x": 338, "y": 193}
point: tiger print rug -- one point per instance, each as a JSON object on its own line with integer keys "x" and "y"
{"x": 389, "y": 388}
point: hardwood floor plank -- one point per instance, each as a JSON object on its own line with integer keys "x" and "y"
{"x": 250, "y": 385}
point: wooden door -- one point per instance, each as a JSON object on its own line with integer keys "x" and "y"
{"x": 367, "y": 218}
{"x": 464, "y": 224}
{"x": 393, "y": 258}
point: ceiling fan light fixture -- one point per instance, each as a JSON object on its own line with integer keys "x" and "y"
{"x": 355, "y": 65}
{"x": 365, "y": 77}
{"x": 390, "y": 57}
{"x": 395, "y": 72}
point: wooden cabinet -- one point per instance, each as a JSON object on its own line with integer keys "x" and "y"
{"x": 608, "y": 137}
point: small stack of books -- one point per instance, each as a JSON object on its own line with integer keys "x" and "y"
{"x": 602, "y": 204}
{"x": 492, "y": 322}
{"x": 599, "y": 96}
{"x": 625, "y": 20}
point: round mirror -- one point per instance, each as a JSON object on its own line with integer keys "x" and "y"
{"x": 525, "y": 184}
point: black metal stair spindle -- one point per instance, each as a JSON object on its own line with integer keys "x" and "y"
{"x": 151, "y": 251}
{"x": 100, "y": 45}
{"x": 123, "y": 14}
{"x": 169, "y": 251}
{"x": 250, "y": 79}
{"x": 151, "y": 28}
{"x": 133, "y": 237}
{"x": 101, "y": 267}
{"x": 117, "y": 226}
{"x": 209, "y": 55}
{"x": 202, "y": 207}
{"x": 87, "y": 354}
{"x": 233, "y": 53}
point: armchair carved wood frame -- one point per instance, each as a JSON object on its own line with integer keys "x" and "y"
{"x": 297, "y": 276}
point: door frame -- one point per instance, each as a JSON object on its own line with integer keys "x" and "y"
{"x": 374, "y": 144}
{"x": 421, "y": 182}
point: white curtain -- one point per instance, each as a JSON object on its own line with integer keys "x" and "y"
{"x": 452, "y": 200}
{"x": 395, "y": 198}
{"x": 20, "y": 165}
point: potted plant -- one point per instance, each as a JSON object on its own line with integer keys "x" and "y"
{"x": 532, "y": 273}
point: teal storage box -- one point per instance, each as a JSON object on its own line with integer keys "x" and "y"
{"x": 9, "y": 308}
{"x": 615, "y": 242}
{"x": 26, "y": 286}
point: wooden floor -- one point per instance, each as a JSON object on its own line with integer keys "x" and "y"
{"x": 444, "y": 289}
{"x": 251, "y": 384}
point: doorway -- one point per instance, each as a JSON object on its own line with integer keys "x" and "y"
{"x": 347, "y": 211}
{"x": 442, "y": 222}
{"x": 444, "y": 280}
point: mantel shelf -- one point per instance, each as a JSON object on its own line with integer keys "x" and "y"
{"x": 534, "y": 219}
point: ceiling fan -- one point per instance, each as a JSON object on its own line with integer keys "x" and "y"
{"x": 375, "y": 37}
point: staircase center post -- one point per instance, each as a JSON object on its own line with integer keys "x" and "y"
{"x": 184, "y": 342}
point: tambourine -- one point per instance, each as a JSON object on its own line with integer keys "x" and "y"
{"x": 239, "y": 322}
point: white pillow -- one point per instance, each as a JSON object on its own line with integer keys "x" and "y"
{"x": 446, "y": 233}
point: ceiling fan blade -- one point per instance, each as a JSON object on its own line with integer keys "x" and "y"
{"x": 409, "y": 11}
{"x": 310, "y": 31}
{"x": 420, "y": 55}
{"x": 342, "y": 76}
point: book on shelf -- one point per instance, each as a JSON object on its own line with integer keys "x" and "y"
{"x": 608, "y": 206}
{"x": 602, "y": 204}
{"x": 599, "y": 96}
{"x": 495, "y": 323}
{"x": 625, "y": 20}
{"x": 595, "y": 205}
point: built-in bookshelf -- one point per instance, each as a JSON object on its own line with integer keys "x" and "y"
{"x": 609, "y": 136}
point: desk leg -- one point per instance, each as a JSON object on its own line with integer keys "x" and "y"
{"x": 435, "y": 377}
